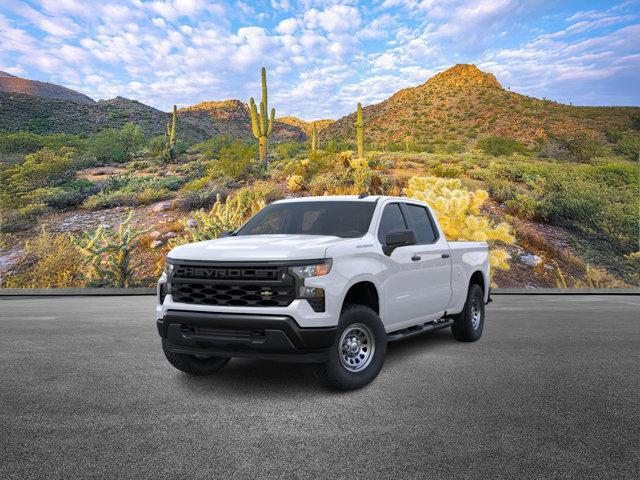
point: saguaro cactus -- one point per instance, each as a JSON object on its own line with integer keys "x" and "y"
{"x": 171, "y": 136}
{"x": 360, "y": 132}
{"x": 314, "y": 140}
{"x": 260, "y": 124}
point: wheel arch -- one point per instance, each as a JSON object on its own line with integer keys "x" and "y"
{"x": 363, "y": 292}
{"x": 479, "y": 277}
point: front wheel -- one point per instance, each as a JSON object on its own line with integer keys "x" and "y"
{"x": 468, "y": 324}
{"x": 194, "y": 365}
{"x": 357, "y": 354}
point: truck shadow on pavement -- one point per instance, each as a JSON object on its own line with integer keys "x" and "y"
{"x": 256, "y": 377}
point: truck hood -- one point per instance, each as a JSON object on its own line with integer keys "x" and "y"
{"x": 257, "y": 248}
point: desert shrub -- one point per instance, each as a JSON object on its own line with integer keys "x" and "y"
{"x": 211, "y": 148}
{"x": 52, "y": 261}
{"x": 295, "y": 183}
{"x": 289, "y": 150}
{"x": 23, "y": 218}
{"x": 189, "y": 200}
{"x": 523, "y": 206}
{"x": 582, "y": 146}
{"x": 108, "y": 254}
{"x": 27, "y": 142}
{"x": 258, "y": 193}
{"x": 317, "y": 163}
{"x": 43, "y": 169}
{"x": 157, "y": 145}
{"x": 68, "y": 195}
{"x": 458, "y": 212}
{"x": 233, "y": 160}
{"x": 629, "y": 146}
{"x": 498, "y": 146}
{"x": 116, "y": 145}
{"x": 600, "y": 200}
{"x": 126, "y": 198}
{"x": 447, "y": 170}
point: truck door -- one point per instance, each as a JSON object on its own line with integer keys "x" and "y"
{"x": 404, "y": 299}
{"x": 432, "y": 257}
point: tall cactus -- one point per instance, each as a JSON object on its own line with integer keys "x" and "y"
{"x": 260, "y": 124}
{"x": 171, "y": 136}
{"x": 360, "y": 132}
{"x": 314, "y": 140}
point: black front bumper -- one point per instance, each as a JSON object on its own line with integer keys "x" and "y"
{"x": 273, "y": 337}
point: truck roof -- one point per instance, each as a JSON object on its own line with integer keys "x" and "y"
{"x": 337, "y": 198}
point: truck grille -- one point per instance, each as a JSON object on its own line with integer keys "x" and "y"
{"x": 247, "y": 286}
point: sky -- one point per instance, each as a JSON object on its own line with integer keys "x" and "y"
{"x": 322, "y": 57}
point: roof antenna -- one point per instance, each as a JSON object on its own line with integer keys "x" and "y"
{"x": 362, "y": 195}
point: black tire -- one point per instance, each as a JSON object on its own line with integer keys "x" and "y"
{"x": 354, "y": 319}
{"x": 466, "y": 326}
{"x": 193, "y": 365}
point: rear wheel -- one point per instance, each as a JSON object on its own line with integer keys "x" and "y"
{"x": 468, "y": 324}
{"x": 357, "y": 354}
{"x": 192, "y": 364}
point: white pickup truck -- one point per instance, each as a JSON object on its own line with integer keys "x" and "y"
{"x": 324, "y": 280}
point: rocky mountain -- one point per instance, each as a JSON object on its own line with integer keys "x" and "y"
{"x": 19, "y": 111}
{"x": 232, "y": 117}
{"x": 464, "y": 103}
{"x": 305, "y": 126}
{"x": 16, "y": 85}
{"x": 57, "y": 109}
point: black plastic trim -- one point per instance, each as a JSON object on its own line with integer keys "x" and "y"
{"x": 242, "y": 335}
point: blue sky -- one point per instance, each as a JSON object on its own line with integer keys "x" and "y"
{"x": 322, "y": 56}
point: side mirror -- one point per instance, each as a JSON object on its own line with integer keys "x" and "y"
{"x": 230, "y": 233}
{"x": 399, "y": 238}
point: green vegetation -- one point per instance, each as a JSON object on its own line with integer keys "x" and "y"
{"x": 108, "y": 254}
{"x": 116, "y": 145}
{"x": 360, "y": 131}
{"x": 262, "y": 126}
{"x": 27, "y": 142}
{"x": 313, "y": 139}
{"x": 498, "y": 146}
{"x": 170, "y": 152}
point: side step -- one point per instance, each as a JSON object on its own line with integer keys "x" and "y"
{"x": 419, "y": 330}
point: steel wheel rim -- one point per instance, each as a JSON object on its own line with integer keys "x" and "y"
{"x": 476, "y": 314}
{"x": 356, "y": 347}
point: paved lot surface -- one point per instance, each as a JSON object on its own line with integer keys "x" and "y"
{"x": 551, "y": 391}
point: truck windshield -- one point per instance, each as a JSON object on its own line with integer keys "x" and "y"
{"x": 341, "y": 219}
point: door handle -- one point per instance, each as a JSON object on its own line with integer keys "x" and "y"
{"x": 415, "y": 258}
{"x": 445, "y": 255}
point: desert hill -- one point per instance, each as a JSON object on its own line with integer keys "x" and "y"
{"x": 47, "y": 108}
{"x": 305, "y": 126}
{"x": 16, "y": 85}
{"x": 232, "y": 118}
{"x": 464, "y": 103}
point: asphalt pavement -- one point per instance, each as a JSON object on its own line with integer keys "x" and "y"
{"x": 551, "y": 391}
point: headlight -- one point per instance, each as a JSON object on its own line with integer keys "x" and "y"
{"x": 168, "y": 268}
{"x": 314, "y": 270}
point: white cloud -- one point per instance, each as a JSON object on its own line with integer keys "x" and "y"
{"x": 56, "y": 26}
{"x": 335, "y": 19}
{"x": 280, "y": 5}
{"x": 287, "y": 26}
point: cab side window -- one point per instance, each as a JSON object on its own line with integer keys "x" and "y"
{"x": 391, "y": 220}
{"x": 421, "y": 222}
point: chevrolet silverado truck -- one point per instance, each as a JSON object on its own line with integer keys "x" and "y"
{"x": 323, "y": 280}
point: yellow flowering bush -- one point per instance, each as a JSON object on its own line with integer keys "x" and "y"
{"x": 295, "y": 183}
{"x": 458, "y": 211}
